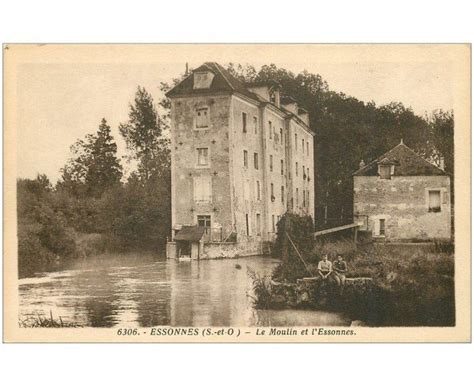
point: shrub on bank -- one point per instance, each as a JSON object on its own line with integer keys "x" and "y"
{"x": 411, "y": 285}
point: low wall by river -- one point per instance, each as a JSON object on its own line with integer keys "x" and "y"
{"x": 318, "y": 294}
{"x": 229, "y": 250}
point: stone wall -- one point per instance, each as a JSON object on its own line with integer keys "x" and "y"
{"x": 316, "y": 294}
{"x": 229, "y": 250}
{"x": 185, "y": 139}
{"x": 244, "y": 178}
{"x": 304, "y": 158}
{"x": 403, "y": 203}
{"x": 234, "y": 186}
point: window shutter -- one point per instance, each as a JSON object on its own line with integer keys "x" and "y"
{"x": 445, "y": 197}
{"x": 376, "y": 227}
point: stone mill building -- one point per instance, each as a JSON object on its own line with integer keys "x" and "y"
{"x": 402, "y": 197}
{"x": 241, "y": 156}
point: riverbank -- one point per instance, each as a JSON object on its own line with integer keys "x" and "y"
{"x": 386, "y": 286}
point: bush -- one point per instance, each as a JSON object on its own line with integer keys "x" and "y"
{"x": 44, "y": 237}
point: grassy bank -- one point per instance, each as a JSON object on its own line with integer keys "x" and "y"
{"x": 412, "y": 286}
{"x": 409, "y": 285}
{"x": 41, "y": 321}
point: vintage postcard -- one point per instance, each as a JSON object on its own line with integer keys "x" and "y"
{"x": 237, "y": 193}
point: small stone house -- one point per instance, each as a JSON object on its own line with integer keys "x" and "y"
{"x": 402, "y": 197}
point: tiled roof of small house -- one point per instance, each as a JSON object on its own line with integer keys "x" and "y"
{"x": 223, "y": 81}
{"x": 406, "y": 161}
{"x": 190, "y": 233}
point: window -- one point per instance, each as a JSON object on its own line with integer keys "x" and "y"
{"x": 247, "y": 227}
{"x": 246, "y": 159}
{"x": 304, "y": 198}
{"x": 302, "y": 145}
{"x": 202, "y": 118}
{"x": 202, "y": 157}
{"x": 271, "y": 163}
{"x": 244, "y": 122}
{"x": 283, "y": 194}
{"x": 270, "y": 131}
{"x": 204, "y": 221}
{"x": 434, "y": 201}
{"x": 307, "y": 198}
{"x": 272, "y": 195}
{"x": 296, "y": 141}
{"x": 297, "y": 201}
{"x": 258, "y": 224}
{"x": 282, "y": 167}
{"x": 255, "y": 160}
{"x": 307, "y": 173}
{"x": 381, "y": 227}
{"x": 273, "y": 223}
{"x": 202, "y": 80}
{"x": 296, "y": 169}
{"x": 385, "y": 171}
{"x": 246, "y": 190}
{"x": 281, "y": 135}
{"x": 202, "y": 189}
{"x": 307, "y": 148}
{"x": 255, "y": 124}
{"x": 304, "y": 173}
{"x": 257, "y": 190}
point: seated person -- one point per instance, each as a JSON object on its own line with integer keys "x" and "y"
{"x": 340, "y": 270}
{"x": 324, "y": 267}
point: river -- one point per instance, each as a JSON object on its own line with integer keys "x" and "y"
{"x": 143, "y": 290}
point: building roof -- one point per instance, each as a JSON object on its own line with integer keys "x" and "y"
{"x": 269, "y": 83}
{"x": 190, "y": 233}
{"x": 223, "y": 81}
{"x": 287, "y": 99}
{"x": 406, "y": 161}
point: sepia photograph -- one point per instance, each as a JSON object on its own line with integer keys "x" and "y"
{"x": 237, "y": 193}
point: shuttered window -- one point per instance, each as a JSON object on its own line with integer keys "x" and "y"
{"x": 203, "y": 156}
{"x": 434, "y": 201}
{"x": 258, "y": 225}
{"x": 202, "y": 189}
{"x": 202, "y": 118}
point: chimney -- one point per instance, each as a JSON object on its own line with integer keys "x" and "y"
{"x": 187, "y": 69}
{"x": 441, "y": 163}
{"x": 277, "y": 97}
{"x": 304, "y": 116}
{"x": 361, "y": 164}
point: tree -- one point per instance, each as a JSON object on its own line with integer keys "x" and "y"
{"x": 441, "y": 138}
{"x": 349, "y": 130}
{"x": 144, "y": 220}
{"x": 44, "y": 236}
{"x": 94, "y": 167}
{"x": 142, "y": 134}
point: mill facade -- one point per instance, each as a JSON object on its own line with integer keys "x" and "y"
{"x": 241, "y": 156}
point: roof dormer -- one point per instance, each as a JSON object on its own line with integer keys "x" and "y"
{"x": 386, "y": 168}
{"x": 267, "y": 90}
{"x": 203, "y": 79}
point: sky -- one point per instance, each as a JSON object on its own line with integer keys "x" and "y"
{"x": 62, "y": 92}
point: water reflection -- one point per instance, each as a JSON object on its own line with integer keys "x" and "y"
{"x": 145, "y": 290}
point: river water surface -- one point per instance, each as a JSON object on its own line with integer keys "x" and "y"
{"x": 136, "y": 290}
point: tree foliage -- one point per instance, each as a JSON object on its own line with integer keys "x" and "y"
{"x": 142, "y": 134}
{"x": 44, "y": 236}
{"x": 94, "y": 167}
